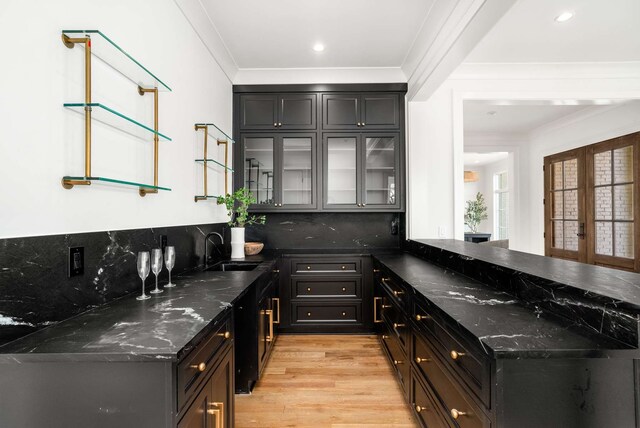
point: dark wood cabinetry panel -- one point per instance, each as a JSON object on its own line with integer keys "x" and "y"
{"x": 297, "y": 111}
{"x": 380, "y": 111}
{"x": 340, "y": 111}
{"x": 278, "y": 112}
{"x": 258, "y": 112}
{"x": 360, "y": 111}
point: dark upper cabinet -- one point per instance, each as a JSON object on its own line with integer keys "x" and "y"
{"x": 278, "y": 112}
{"x": 362, "y": 171}
{"x": 361, "y": 111}
{"x": 280, "y": 170}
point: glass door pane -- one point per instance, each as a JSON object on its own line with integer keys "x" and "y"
{"x": 564, "y": 200}
{"x": 341, "y": 171}
{"x": 380, "y": 171}
{"x": 296, "y": 170}
{"x": 258, "y": 168}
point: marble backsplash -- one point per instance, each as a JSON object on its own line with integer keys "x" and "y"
{"x": 587, "y": 309}
{"x": 35, "y": 290}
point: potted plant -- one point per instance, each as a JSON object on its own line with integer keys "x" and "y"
{"x": 475, "y": 212}
{"x": 237, "y": 205}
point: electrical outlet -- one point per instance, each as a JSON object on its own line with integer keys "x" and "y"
{"x": 76, "y": 261}
{"x": 163, "y": 242}
{"x": 394, "y": 226}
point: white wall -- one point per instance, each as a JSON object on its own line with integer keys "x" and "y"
{"x": 484, "y": 185}
{"x": 42, "y": 141}
{"x": 436, "y": 138}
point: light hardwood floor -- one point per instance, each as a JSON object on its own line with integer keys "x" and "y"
{"x": 330, "y": 381}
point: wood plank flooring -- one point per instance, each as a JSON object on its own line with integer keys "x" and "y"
{"x": 331, "y": 381}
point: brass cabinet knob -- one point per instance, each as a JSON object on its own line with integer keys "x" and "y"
{"x": 275, "y": 124}
{"x": 419, "y": 408}
{"x": 358, "y": 123}
{"x": 376, "y": 270}
{"x": 422, "y": 317}
{"x": 200, "y": 367}
{"x": 363, "y": 204}
{"x": 276, "y": 271}
{"x": 455, "y": 355}
{"x": 397, "y": 362}
{"x": 398, "y": 293}
{"x": 308, "y": 267}
{"x": 308, "y": 314}
{"x": 226, "y": 334}
{"x": 363, "y": 124}
{"x": 422, "y": 360}
{"x": 386, "y": 306}
{"x": 384, "y": 337}
{"x": 344, "y": 289}
{"x": 343, "y": 267}
{"x": 279, "y": 124}
{"x": 344, "y": 314}
{"x": 397, "y": 325}
{"x": 455, "y": 414}
{"x": 309, "y": 289}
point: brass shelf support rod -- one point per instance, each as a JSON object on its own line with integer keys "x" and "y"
{"x": 70, "y": 43}
{"x": 156, "y": 139}
{"x": 226, "y": 159}
{"x": 206, "y": 142}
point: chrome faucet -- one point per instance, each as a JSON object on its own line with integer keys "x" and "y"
{"x": 206, "y": 247}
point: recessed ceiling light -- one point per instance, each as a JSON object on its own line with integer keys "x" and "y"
{"x": 318, "y": 47}
{"x": 564, "y": 16}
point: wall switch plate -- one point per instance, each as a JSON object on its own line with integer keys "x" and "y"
{"x": 394, "y": 226}
{"x": 76, "y": 261}
{"x": 163, "y": 242}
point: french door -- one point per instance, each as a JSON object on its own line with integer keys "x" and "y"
{"x": 592, "y": 203}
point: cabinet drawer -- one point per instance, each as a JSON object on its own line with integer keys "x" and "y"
{"x": 321, "y": 288}
{"x": 469, "y": 364}
{"x": 394, "y": 289}
{"x": 425, "y": 406}
{"x": 397, "y": 358}
{"x": 452, "y": 396}
{"x": 327, "y": 312}
{"x": 328, "y": 266}
{"x": 198, "y": 363}
{"x": 396, "y": 322}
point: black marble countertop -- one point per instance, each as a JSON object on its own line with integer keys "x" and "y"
{"x": 612, "y": 283}
{"x": 131, "y": 330}
{"x": 503, "y": 327}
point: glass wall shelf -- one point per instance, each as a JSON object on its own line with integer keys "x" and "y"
{"x": 220, "y": 135}
{"x": 216, "y": 162}
{"x": 112, "y": 118}
{"x": 203, "y": 197}
{"x": 112, "y": 180}
{"x": 103, "y": 48}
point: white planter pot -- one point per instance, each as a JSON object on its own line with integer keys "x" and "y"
{"x": 237, "y": 242}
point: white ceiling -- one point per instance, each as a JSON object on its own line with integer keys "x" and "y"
{"x": 281, "y": 33}
{"x": 512, "y": 119}
{"x": 601, "y": 30}
{"x": 474, "y": 160}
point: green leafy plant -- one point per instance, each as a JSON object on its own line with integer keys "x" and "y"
{"x": 475, "y": 212}
{"x": 237, "y": 205}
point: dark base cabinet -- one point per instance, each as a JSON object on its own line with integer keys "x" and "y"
{"x": 257, "y": 315}
{"x": 196, "y": 391}
{"x": 325, "y": 294}
{"x": 449, "y": 381}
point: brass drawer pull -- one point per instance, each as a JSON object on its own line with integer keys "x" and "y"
{"x": 422, "y": 317}
{"x": 376, "y": 270}
{"x": 420, "y": 408}
{"x": 422, "y": 360}
{"x": 226, "y": 334}
{"x": 375, "y": 309}
{"x": 277, "y": 300}
{"x": 218, "y": 411}
{"x": 398, "y": 293}
{"x": 269, "y": 313}
{"x": 276, "y": 271}
{"x": 397, "y": 362}
{"x": 384, "y": 337}
{"x": 455, "y": 414}
{"x": 455, "y": 355}
{"x": 200, "y": 367}
{"x": 386, "y": 306}
{"x": 398, "y": 325}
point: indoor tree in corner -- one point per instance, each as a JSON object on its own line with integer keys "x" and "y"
{"x": 237, "y": 205}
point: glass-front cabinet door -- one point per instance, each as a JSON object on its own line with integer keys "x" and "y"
{"x": 380, "y": 171}
{"x": 361, "y": 171}
{"x": 341, "y": 179}
{"x": 280, "y": 170}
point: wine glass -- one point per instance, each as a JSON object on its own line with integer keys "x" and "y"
{"x": 143, "y": 272}
{"x": 169, "y": 262}
{"x": 156, "y": 267}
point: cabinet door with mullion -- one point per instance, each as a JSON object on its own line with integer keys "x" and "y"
{"x": 380, "y": 169}
{"x": 341, "y": 171}
{"x": 259, "y": 165}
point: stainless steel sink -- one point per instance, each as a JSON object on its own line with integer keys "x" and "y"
{"x": 233, "y": 266}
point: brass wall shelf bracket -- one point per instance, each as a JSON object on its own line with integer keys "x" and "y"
{"x": 108, "y": 51}
{"x": 156, "y": 140}
{"x": 206, "y": 161}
